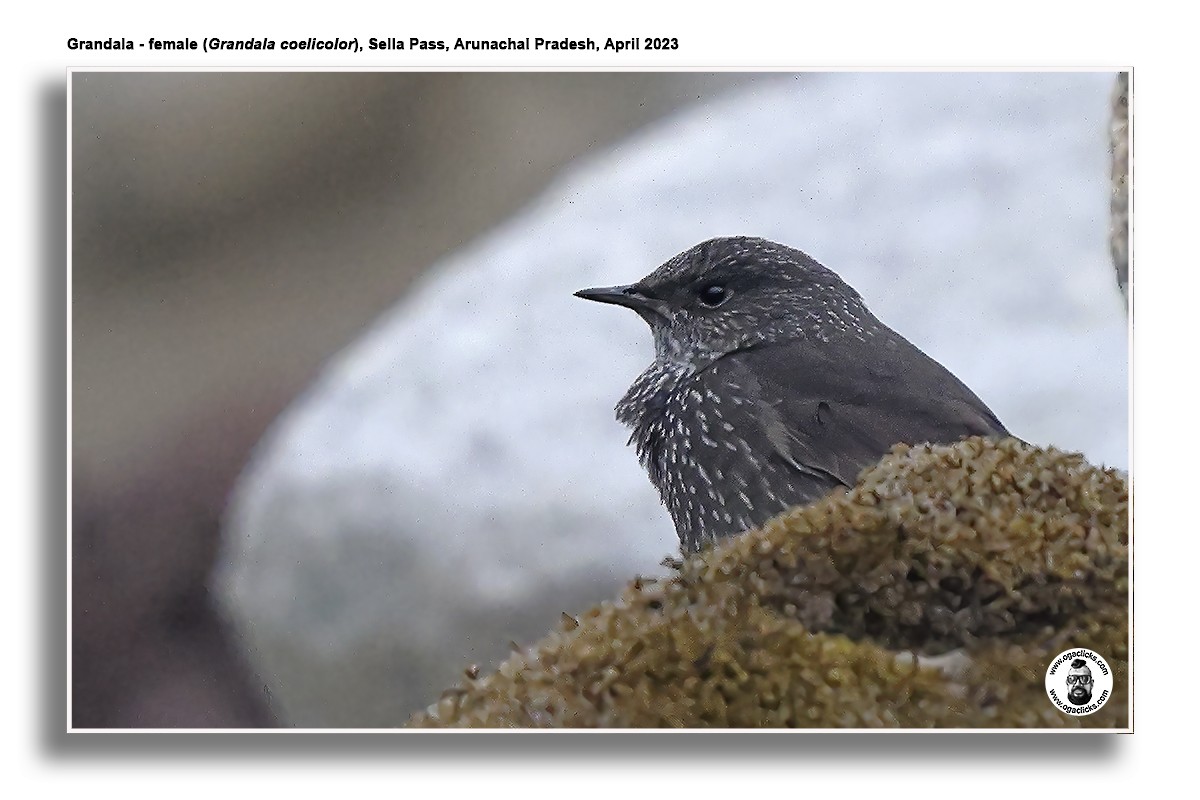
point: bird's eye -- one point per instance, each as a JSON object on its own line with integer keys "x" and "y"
{"x": 713, "y": 295}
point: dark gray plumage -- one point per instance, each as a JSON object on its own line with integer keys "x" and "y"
{"x": 772, "y": 384}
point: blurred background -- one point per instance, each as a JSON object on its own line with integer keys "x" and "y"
{"x": 229, "y": 233}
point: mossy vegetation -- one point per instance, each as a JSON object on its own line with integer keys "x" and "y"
{"x": 932, "y": 594}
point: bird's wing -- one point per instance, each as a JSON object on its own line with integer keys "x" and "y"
{"x": 828, "y": 412}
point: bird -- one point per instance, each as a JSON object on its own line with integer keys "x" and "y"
{"x": 772, "y": 385}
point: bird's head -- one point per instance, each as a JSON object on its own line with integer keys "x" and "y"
{"x": 733, "y": 293}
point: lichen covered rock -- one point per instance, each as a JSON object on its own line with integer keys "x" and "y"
{"x": 1118, "y": 146}
{"x": 933, "y": 593}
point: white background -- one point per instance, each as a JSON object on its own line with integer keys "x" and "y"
{"x": 745, "y": 34}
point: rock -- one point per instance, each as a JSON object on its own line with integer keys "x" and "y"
{"x": 456, "y": 480}
{"x": 925, "y": 596}
{"x": 1118, "y": 234}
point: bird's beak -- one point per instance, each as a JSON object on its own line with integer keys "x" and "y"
{"x": 627, "y": 296}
